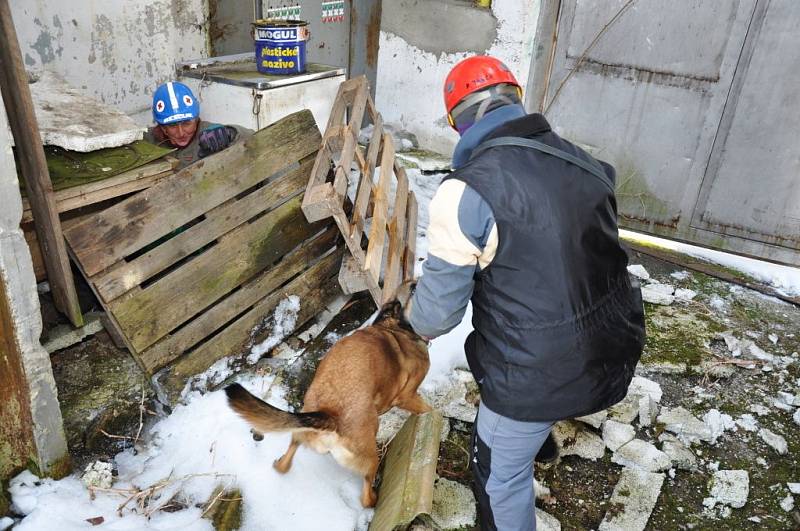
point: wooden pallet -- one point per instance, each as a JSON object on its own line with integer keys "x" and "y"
{"x": 189, "y": 267}
{"x": 326, "y": 196}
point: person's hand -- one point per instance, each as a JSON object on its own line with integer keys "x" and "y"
{"x": 213, "y": 139}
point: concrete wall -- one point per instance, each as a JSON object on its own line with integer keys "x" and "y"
{"x": 22, "y": 326}
{"x": 421, "y": 40}
{"x": 117, "y": 51}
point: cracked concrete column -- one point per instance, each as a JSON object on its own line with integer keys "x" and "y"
{"x": 31, "y": 428}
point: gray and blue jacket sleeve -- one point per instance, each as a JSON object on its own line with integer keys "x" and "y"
{"x": 462, "y": 239}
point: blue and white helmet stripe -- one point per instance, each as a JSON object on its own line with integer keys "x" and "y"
{"x": 174, "y": 102}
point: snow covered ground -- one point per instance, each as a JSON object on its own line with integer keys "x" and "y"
{"x": 202, "y": 445}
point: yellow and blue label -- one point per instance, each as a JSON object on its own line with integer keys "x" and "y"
{"x": 281, "y": 50}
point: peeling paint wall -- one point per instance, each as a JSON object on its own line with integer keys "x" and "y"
{"x": 421, "y": 40}
{"x": 117, "y": 51}
{"x": 38, "y": 431}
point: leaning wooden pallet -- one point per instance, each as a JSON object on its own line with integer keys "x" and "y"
{"x": 341, "y": 160}
{"x": 188, "y": 268}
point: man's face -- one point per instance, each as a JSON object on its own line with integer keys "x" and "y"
{"x": 181, "y": 133}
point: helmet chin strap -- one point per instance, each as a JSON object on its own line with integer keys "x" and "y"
{"x": 504, "y": 94}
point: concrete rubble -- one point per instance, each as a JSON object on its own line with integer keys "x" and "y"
{"x": 573, "y": 438}
{"x": 626, "y": 410}
{"x": 615, "y": 434}
{"x": 546, "y": 521}
{"x": 794, "y": 488}
{"x": 654, "y": 295}
{"x": 648, "y": 411}
{"x": 454, "y": 401}
{"x": 641, "y": 455}
{"x": 639, "y": 271}
{"x": 680, "y": 455}
{"x": 686, "y": 426}
{"x": 787, "y": 504}
{"x": 728, "y": 487}
{"x": 76, "y": 122}
{"x": 718, "y": 423}
{"x": 644, "y": 386}
{"x": 747, "y": 422}
{"x": 796, "y": 417}
{"x": 633, "y": 501}
{"x": 453, "y": 505}
{"x": 595, "y": 420}
{"x": 777, "y": 442}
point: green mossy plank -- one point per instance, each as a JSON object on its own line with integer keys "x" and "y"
{"x": 409, "y": 472}
{"x": 71, "y": 168}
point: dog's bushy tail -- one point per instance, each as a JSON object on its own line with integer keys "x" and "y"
{"x": 266, "y": 418}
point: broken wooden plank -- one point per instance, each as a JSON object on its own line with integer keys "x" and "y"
{"x": 409, "y": 472}
{"x": 33, "y": 168}
{"x": 149, "y": 215}
{"x": 377, "y": 233}
{"x": 206, "y": 278}
{"x": 314, "y": 287}
{"x": 409, "y": 257}
{"x": 366, "y": 183}
{"x": 126, "y": 275}
{"x": 172, "y": 346}
{"x": 352, "y": 278}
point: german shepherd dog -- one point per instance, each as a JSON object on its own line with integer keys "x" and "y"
{"x": 361, "y": 377}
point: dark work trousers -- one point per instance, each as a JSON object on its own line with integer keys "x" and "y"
{"x": 503, "y": 450}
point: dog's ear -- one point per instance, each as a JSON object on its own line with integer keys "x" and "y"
{"x": 405, "y": 291}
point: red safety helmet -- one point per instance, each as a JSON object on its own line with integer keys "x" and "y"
{"x": 472, "y": 75}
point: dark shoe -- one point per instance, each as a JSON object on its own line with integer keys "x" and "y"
{"x": 548, "y": 452}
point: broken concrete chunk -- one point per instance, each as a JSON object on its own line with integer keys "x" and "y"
{"x": 654, "y": 296}
{"x": 574, "y": 439}
{"x": 595, "y": 420}
{"x": 684, "y": 294}
{"x": 773, "y": 338}
{"x": 632, "y": 501}
{"x": 794, "y": 488}
{"x": 686, "y": 426}
{"x": 641, "y": 455}
{"x": 666, "y": 289}
{"x": 777, "y": 442}
{"x": 796, "y": 417}
{"x": 453, "y": 505}
{"x": 626, "y": 410}
{"x": 747, "y": 422}
{"x": 454, "y": 400}
{"x": 644, "y": 386}
{"x": 787, "y": 504}
{"x": 759, "y": 409}
{"x": 615, "y": 434}
{"x": 680, "y": 455}
{"x": 790, "y": 399}
{"x": 648, "y": 411}
{"x": 718, "y": 423}
{"x": 546, "y": 521}
{"x": 729, "y": 487}
{"x": 639, "y": 271}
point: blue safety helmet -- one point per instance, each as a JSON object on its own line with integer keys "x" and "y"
{"x": 174, "y": 102}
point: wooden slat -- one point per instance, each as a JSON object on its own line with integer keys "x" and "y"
{"x": 359, "y": 105}
{"x": 149, "y": 314}
{"x": 314, "y": 287}
{"x": 143, "y": 218}
{"x": 377, "y": 233}
{"x": 33, "y": 168}
{"x": 171, "y": 347}
{"x": 397, "y": 238}
{"x": 365, "y": 185}
{"x": 409, "y": 259}
{"x": 94, "y": 192}
{"x": 351, "y": 277}
{"x": 126, "y": 275}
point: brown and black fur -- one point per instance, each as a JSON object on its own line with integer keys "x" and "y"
{"x": 361, "y": 377}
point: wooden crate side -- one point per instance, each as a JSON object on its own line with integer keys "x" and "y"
{"x": 365, "y": 184}
{"x": 315, "y": 287}
{"x": 150, "y": 314}
{"x": 377, "y": 234}
{"x": 397, "y": 238}
{"x": 143, "y": 218}
{"x": 409, "y": 257}
{"x": 122, "y": 277}
{"x": 173, "y": 346}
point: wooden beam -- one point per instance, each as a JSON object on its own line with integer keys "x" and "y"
{"x": 377, "y": 234}
{"x": 393, "y": 276}
{"x": 33, "y": 166}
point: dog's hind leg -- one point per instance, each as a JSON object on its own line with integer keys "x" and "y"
{"x": 283, "y": 464}
{"x": 415, "y": 404}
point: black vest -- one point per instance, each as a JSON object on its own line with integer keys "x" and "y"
{"x": 559, "y": 326}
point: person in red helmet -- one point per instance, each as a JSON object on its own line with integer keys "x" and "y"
{"x": 525, "y": 228}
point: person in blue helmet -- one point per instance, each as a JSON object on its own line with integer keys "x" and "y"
{"x": 176, "y": 112}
